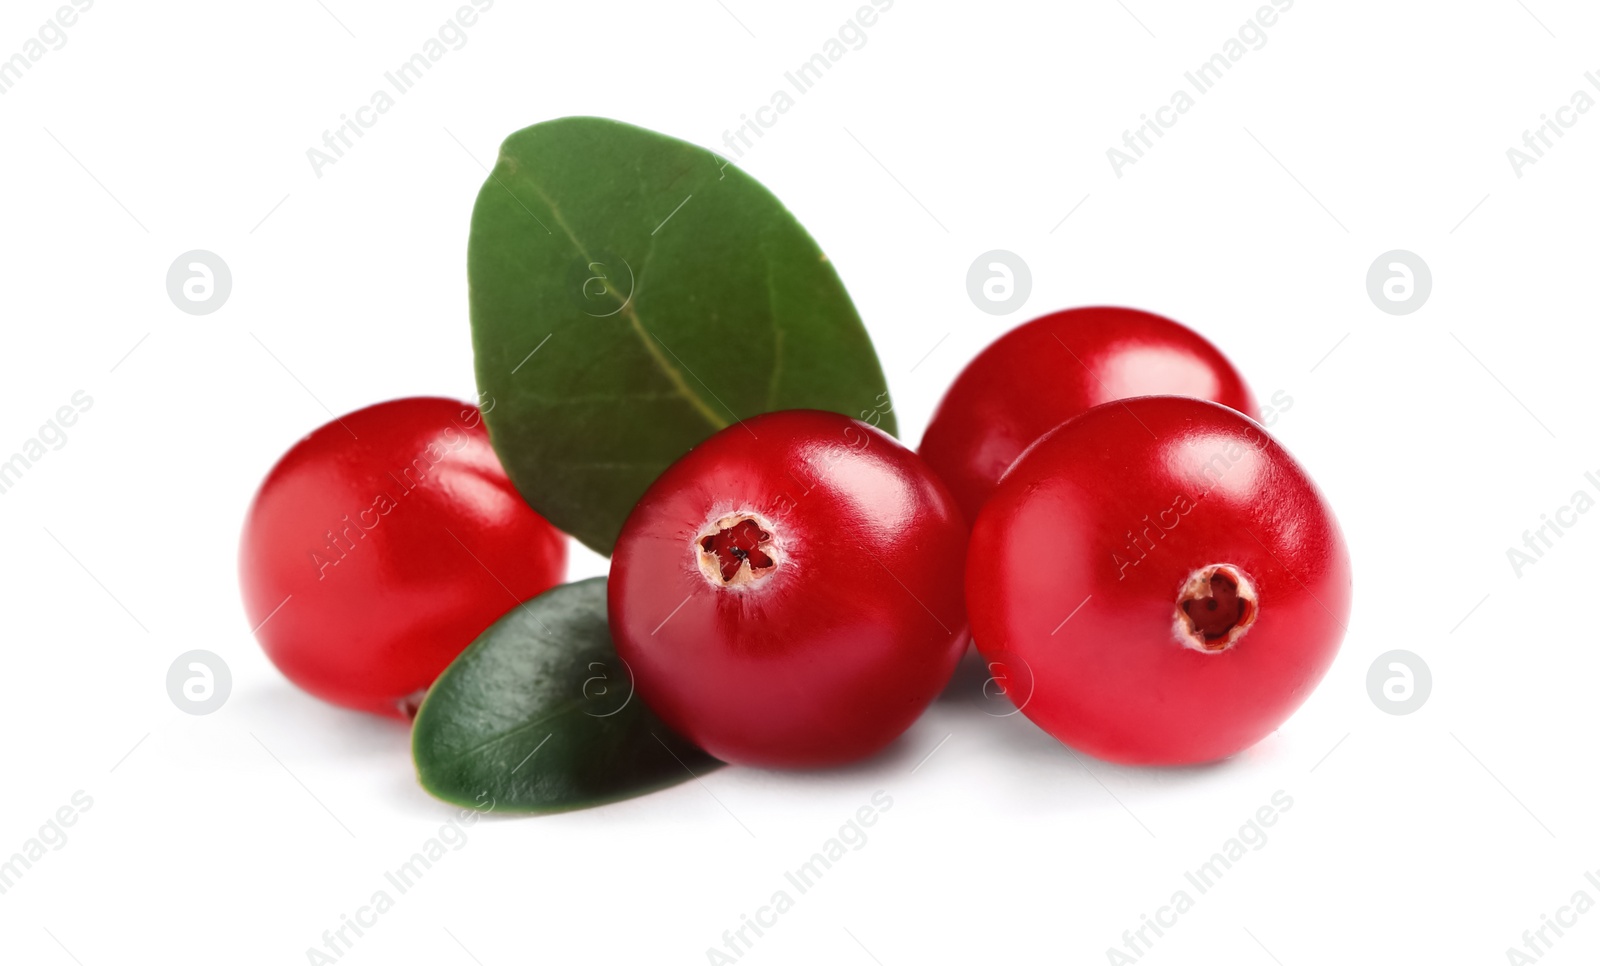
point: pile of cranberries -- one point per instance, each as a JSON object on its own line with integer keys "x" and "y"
{"x": 1147, "y": 573}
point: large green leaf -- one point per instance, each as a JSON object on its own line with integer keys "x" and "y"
{"x": 539, "y": 715}
{"x": 632, "y": 294}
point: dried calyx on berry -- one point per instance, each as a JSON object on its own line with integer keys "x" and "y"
{"x": 737, "y": 550}
{"x": 1216, "y": 606}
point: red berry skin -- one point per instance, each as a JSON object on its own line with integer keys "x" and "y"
{"x": 391, "y": 538}
{"x": 1084, "y": 559}
{"x": 843, "y": 616}
{"x": 1043, "y": 373}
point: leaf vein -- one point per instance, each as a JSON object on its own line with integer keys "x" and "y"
{"x": 674, "y": 376}
{"x": 519, "y": 729}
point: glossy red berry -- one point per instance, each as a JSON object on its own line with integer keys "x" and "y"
{"x": 1043, "y": 373}
{"x": 381, "y": 545}
{"x": 1158, "y": 582}
{"x": 789, "y": 592}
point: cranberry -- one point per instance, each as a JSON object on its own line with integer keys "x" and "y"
{"x": 1044, "y": 372}
{"x": 381, "y": 545}
{"x": 789, "y": 592}
{"x": 1167, "y": 578}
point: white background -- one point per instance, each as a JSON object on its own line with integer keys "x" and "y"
{"x": 1439, "y": 436}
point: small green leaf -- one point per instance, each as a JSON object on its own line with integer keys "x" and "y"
{"x": 539, "y": 715}
{"x": 632, "y": 294}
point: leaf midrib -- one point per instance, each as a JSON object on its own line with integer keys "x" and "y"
{"x": 560, "y": 710}
{"x": 635, "y": 322}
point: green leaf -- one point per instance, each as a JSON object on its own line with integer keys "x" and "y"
{"x": 539, "y": 715}
{"x": 632, "y": 294}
